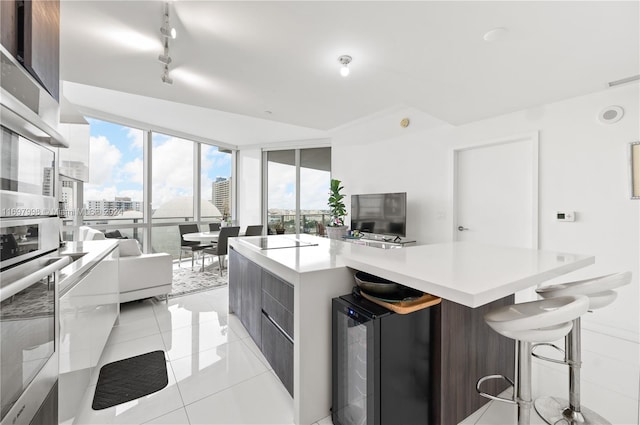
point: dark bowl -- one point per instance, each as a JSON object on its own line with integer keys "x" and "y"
{"x": 375, "y": 285}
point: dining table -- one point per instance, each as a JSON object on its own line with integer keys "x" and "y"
{"x": 203, "y": 238}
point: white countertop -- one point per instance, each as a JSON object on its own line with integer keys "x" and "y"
{"x": 466, "y": 273}
{"x": 92, "y": 252}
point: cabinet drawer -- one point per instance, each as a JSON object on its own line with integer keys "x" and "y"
{"x": 279, "y": 314}
{"x": 280, "y": 290}
{"x": 278, "y": 351}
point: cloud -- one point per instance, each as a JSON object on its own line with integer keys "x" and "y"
{"x": 314, "y": 189}
{"x": 103, "y": 159}
{"x": 172, "y": 173}
{"x": 134, "y": 170}
{"x": 281, "y": 192}
{"x": 136, "y": 137}
{"x": 94, "y": 192}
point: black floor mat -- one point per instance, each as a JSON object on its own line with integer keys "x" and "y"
{"x": 131, "y": 378}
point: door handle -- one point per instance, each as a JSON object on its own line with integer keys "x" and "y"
{"x": 460, "y": 228}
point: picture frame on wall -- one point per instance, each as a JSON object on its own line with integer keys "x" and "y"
{"x": 634, "y": 161}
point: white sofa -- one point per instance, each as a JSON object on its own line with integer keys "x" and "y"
{"x": 139, "y": 275}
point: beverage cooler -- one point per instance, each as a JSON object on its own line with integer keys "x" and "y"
{"x": 383, "y": 364}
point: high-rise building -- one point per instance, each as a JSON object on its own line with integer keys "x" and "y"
{"x": 119, "y": 204}
{"x": 221, "y": 194}
{"x": 47, "y": 181}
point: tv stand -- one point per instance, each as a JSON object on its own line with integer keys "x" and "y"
{"x": 382, "y": 241}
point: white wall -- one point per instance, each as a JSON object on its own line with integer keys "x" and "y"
{"x": 583, "y": 167}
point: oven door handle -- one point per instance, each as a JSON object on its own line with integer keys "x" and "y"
{"x": 22, "y": 284}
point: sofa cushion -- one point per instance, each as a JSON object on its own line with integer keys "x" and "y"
{"x": 82, "y": 236}
{"x": 94, "y": 235}
{"x": 115, "y": 234}
{"x": 129, "y": 248}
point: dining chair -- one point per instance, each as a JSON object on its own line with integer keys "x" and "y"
{"x": 255, "y": 230}
{"x": 214, "y": 227}
{"x": 221, "y": 247}
{"x": 190, "y": 246}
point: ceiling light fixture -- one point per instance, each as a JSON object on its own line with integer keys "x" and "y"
{"x": 345, "y": 60}
{"x": 167, "y": 32}
{"x": 165, "y": 76}
{"x": 165, "y": 59}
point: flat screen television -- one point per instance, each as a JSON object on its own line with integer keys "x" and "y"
{"x": 380, "y": 213}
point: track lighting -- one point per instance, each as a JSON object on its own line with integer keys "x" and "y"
{"x": 167, "y": 32}
{"x": 165, "y": 76}
{"x": 345, "y": 60}
{"x": 165, "y": 59}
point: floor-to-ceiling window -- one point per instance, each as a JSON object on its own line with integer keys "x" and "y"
{"x": 281, "y": 191}
{"x": 315, "y": 180}
{"x": 172, "y": 160}
{"x": 296, "y": 190}
{"x": 215, "y": 183}
{"x": 114, "y": 193}
{"x": 188, "y": 182}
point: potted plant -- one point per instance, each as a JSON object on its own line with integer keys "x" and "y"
{"x": 336, "y": 228}
{"x": 279, "y": 227}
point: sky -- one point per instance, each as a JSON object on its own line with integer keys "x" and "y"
{"x": 314, "y": 190}
{"x": 116, "y": 167}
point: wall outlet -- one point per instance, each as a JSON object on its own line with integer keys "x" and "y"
{"x": 565, "y": 216}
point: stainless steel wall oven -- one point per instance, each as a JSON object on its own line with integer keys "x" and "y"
{"x": 29, "y": 239}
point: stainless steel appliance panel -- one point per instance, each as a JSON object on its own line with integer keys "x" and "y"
{"x": 27, "y": 167}
{"x": 28, "y": 332}
{"x": 23, "y": 239}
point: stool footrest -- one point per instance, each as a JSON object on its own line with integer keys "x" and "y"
{"x": 545, "y": 358}
{"x": 491, "y": 396}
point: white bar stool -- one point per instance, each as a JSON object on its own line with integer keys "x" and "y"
{"x": 599, "y": 291}
{"x": 535, "y": 321}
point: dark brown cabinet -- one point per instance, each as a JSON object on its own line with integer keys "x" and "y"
{"x": 30, "y": 32}
{"x": 264, "y": 304}
{"x": 9, "y": 26}
{"x": 39, "y": 41}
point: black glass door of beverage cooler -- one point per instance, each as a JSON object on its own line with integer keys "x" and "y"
{"x": 356, "y": 360}
{"x": 383, "y": 364}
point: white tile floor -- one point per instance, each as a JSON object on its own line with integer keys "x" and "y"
{"x": 217, "y": 374}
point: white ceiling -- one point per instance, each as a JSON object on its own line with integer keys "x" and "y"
{"x": 250, "y": 57}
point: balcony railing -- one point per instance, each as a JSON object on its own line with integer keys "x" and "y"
{"x": 286, "y": 223}
{"x": 165, "y": 236}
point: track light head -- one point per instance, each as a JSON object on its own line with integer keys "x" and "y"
{"x": 165, "y": 59}
{"x": 167, "y": 31}
{"x": 165, "y": 76}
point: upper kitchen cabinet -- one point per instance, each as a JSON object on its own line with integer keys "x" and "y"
{"x": 38, "y": 34}
{"x": 9, "y": 26}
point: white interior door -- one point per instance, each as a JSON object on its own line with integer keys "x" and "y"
{"x": 496, "y": 193}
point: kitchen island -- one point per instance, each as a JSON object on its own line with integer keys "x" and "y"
{"x": 470, "y": 278}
